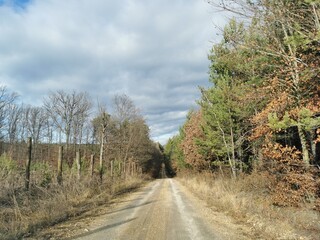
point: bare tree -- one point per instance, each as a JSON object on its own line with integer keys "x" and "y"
{"x": 14, "y": 114}
{"x": 35, "y": 120}
{"x": 124, "y": 109}
{"x": 67, "y": 111}
{"x": 6, "y": 99}
{"x": 131, "y": 135}
{"x": 48, "y": 129}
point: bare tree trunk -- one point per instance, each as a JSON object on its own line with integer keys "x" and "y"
{"x": 78, "y": 161}
{"x": 233, "y": 155}
{"x": 60, "y": 157}
{"x": 304, "y": 146}
{"x": 132, "y": 169}
{"x": 316, "y": 17}
{"x": 120, "y": 169}
{"x": 313, "y": 144}
{"x": 111, "y": 168}
{"x": 101, "y": 157}
{"x": 91, "y": 165}
{"x": 124, "y": 169}
{"x": 28, "y": 164}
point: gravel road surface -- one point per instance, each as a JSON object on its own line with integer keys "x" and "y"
{"x": 161, "y": 210}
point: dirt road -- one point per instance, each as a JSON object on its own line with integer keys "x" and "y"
{"x": 161, "y": 210}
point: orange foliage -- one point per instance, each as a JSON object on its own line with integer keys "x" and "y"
{"x": 193, "y": 131}
{"x": 291, "y": 95}
{"x": 260, "y": 120}
{"x": 295, "y": 184}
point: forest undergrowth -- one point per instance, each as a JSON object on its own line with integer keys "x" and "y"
{"x": 248, "y": 200}
{"x": 46, "y": 203}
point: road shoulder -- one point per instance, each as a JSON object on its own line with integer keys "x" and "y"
{"x": 90, "y": 220}
{"x": 224, "y": 226}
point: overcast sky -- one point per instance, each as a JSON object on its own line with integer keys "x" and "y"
{"x": 155, "y": 51}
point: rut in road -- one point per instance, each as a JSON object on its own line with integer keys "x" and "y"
{"x": 159, "y": 211}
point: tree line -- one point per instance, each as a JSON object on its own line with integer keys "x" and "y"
{"x": 70, "y": 119}
{"x": 262, "y": 111}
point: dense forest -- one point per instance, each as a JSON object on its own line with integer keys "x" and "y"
{"x": 262, "y": 111}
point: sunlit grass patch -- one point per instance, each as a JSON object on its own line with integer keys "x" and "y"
{"x": 248, "y": 200}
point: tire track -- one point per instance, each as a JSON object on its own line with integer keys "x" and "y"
{"x": 159, "y": 211}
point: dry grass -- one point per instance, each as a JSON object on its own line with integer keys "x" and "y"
{"x": 247, "y": 199}
{"x": 46, "y": 203}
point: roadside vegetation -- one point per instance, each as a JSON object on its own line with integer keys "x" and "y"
{"x": 252, "y": 148}
{"x": 249, "y": 202}
{"x": 66, "y": 157}
{"x": 46, "y": 203}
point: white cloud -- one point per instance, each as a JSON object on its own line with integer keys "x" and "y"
{"x": 154, "y": 51}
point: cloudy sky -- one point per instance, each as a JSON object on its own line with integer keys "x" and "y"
{"x": 155, "y": 51}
